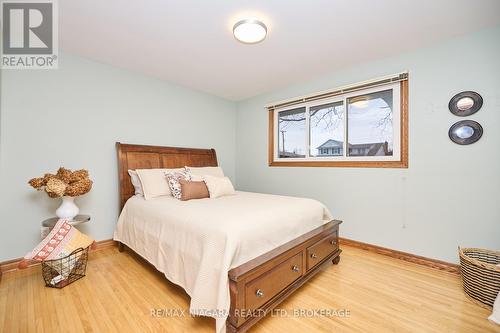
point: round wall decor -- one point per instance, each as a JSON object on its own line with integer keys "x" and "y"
{"x": 465, "y": 132}
{"x": 465, "y": 103}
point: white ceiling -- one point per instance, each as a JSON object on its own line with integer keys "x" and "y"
{"x": 190, "y": 42}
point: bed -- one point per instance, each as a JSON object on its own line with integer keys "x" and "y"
{"x": 237, "y": 256}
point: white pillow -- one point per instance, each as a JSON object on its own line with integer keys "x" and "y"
{"x": 205, "y": 171}
{"x": 136, "y": 182}
{"x": 154, "y": 183}
{"x": 218, "y": 186}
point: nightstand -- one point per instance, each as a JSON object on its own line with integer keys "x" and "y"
{"x": 49, "y": 223}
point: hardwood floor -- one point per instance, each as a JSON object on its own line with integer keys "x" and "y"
{"x": 120, "y": 292}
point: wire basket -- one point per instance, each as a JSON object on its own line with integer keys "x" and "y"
{"x": 480, "y": 274}
{"x": 58, "y": 273}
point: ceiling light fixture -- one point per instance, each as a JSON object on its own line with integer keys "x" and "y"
{"x": 250, "y": 31}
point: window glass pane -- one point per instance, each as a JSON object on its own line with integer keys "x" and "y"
{"x": 369, "y": 124}
{"x": 292, "y": 133}
{"x": 327, "y": 130}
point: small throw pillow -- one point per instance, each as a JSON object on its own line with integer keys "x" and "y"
{"x": 193, "y": 190}
{"x": 136, "y": 182}
{"x": 219, "y": 186}
{"x": 173, "y": 179}
{"x": 205, "y": 171}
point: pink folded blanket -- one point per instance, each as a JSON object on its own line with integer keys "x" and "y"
{"x": 59, "y": 243}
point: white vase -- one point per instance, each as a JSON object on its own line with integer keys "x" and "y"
{"x": 68, "y": 210}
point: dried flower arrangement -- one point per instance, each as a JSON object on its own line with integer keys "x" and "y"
{"x": 64, "y": 183}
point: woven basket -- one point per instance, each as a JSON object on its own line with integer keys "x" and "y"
{"x": 58, "y": 273}
{"x": 480, "y": 274}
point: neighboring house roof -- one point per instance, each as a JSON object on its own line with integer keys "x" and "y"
{"x": 362, "y": 145}
{"x": 373, "y": 147}
{"x": 289, "y": 154}
{"x": 331, "y": 144}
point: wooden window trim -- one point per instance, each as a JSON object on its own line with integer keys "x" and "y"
{"x": 402, "y": 163}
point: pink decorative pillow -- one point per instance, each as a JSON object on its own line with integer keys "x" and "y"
{"x": 173, "y": 179}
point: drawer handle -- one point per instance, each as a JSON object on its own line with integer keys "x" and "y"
{"x": 314, "y": 256}
{"x": 333, "y": 242}
{"x": 259, "y": 293}
{"x": 295, "y": 268}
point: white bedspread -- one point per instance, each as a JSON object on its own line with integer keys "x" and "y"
{"x": 195, "y": 243}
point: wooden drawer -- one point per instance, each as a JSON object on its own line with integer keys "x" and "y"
{"x": 270, "y": 283}
{"x": 322, "y": 249}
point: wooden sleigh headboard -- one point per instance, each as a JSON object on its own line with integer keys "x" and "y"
{"x": 152, "y": 157}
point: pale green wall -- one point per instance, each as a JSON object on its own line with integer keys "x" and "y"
{"x": 450, "y": 194}
{"x": 72, "y": 117}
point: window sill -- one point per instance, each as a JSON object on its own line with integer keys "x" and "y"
{"x": 343, "y": 164}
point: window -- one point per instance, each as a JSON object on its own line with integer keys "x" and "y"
{"x": 292, "y": 128}
{"x": 370, "y": 124}
{"x": 326, "y": 123}
{"x": 360, "y": 125}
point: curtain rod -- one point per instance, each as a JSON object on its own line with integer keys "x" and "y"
{"x": 343, "y": 90}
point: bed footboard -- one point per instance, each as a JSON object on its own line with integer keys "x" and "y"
{"x": 258, "y": 286}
